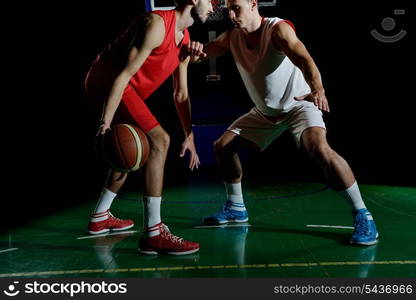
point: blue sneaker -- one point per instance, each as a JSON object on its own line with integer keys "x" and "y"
{"x": 227, "y": 215}
{"x": 365, "y": 232}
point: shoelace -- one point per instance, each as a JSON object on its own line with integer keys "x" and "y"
{"x": 361, "y": 224}
{"x": 114, "y": 218}
{"x": 166, "y": 233}
{"x": 225, "y": 208}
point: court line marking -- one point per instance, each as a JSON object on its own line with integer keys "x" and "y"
{"x": 216, "y": 267}
{"x": 9, "y": 250}
{"x": 222, "y": 226}
{"x": 371, "y": 199}
{"x": 331, "y": 226}
{"x": 105, "y": 234}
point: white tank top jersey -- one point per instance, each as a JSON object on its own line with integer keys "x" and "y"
{"x": 271, "y": 79}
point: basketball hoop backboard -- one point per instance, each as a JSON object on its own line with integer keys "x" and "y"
{"x": 170, "y": 4}
{"x": 267, "y": 3}
{"x": 159, "y": 4}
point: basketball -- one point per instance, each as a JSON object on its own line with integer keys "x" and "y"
{"x": 125, "y": 148}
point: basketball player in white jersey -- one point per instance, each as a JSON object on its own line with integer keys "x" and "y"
{"x": 286, "y": 87}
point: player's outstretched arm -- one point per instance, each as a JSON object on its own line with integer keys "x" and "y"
{"x": 183, "y": 107}
{"x": 284, "y": 38}
{"x": 151, "y": 37}
{"x": 212, "y": 49}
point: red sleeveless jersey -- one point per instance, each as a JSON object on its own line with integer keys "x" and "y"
{"x": 162, "y": 61}
{"x": 158, "y": 66}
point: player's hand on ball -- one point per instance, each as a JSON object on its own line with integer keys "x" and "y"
{"x": 318, "y": 98}
{"x": 188, "y": 145}
{"x": 104, "y": 126}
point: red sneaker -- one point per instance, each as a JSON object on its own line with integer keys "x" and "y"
{"x": 165, "y": 242}
{"x": 110, "y": 224}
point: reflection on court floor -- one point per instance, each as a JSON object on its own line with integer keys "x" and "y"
{"x": 294, "y": 230}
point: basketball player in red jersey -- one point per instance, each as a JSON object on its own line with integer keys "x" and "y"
{"x": 121, "y": 78}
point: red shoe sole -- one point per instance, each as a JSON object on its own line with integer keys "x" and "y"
{"x": 153, "y": 252}
{"x": 111, "y": 229}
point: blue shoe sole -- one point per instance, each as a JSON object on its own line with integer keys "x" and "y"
{"x": 369, "y": 243}
{"x": 217, "y": 222}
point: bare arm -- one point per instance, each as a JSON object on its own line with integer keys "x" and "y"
{"x": 183, "y": 107}
{"x": 215, "y": 48}
{"x": 219, "y": 46}
{"x": 153, "y": 37}
{"x": 284, "y": 38}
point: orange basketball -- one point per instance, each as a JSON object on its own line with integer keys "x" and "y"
{"x": 125, "y": 148}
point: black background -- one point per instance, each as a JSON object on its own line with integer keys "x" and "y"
{"x": 50, "y": 126}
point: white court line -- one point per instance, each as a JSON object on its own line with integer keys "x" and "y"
{"x": 331, "y": 226}
{"x": 223, "y": 226}
{"x": 8, "y": 250}
{"x": 105, "y": 234}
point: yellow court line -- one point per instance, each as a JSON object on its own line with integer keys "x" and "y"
{"x": 217, "y": 267}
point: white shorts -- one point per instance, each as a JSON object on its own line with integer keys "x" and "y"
{"x": 255, "y": 127}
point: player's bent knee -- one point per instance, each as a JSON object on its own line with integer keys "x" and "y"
{"x": 225, "y": 143}
{"x": 117, "y": 176}
{"x": 220, "y": 146}
{"x": 160, "y": 142}
{"x": 320, "y": 151}
{"x": 217, "y": 146}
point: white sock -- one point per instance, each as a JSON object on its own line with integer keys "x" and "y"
{"x": 235, "y": 195}
{"x": 103, "y": 205}
{"x": 151, "y": 212}
{"x": 353, "y": 196}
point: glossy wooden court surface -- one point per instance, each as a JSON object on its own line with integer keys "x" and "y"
{"x": 295, "y": 230}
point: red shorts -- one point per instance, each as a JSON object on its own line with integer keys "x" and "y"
{"x": 133, "y": 110}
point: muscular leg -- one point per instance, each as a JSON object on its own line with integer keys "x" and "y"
{"x": 228, "y": 161}
{"x": 115, "y": 181}
{"x": 154, "y": 169}
{"x": 341, "y": 179}
{"x": 226, "y": 148}
{"x": 159, "y": 144}
{"x": 101, "y": 220}
{"x": 337, "y": 170}
{"x": 156, "y": 238}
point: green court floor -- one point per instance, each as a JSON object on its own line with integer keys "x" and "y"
{"x": 295, "y": 230}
